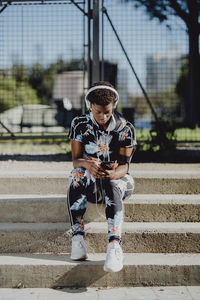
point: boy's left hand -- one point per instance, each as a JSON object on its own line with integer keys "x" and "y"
{"x": 110, "y": 174}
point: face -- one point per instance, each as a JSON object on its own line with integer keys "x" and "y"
{"x": 101, "y": 113}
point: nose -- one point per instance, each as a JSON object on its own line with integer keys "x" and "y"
{"x": 103, "y": 117}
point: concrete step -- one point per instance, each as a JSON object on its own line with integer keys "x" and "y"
{"x": 137, "y": 237}
{"x": 139, "y": 208}
{"x": 140, "y": 269}
{"x": 146, "y": 182}
{"x": 92, "y": 293}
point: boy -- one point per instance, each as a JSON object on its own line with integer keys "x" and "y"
{"x": 102, "y": 148}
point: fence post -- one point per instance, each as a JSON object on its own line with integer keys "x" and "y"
{"x": 95, "y": 62}
{"x": 89, "y": 62}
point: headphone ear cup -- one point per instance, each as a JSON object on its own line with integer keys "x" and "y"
{"x": 88, "y": 104}
{"x": 115, "y": 103}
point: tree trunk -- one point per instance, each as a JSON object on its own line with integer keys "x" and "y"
{"x": 193, "y": 99}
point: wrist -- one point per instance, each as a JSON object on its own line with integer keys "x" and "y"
{"x": 80, "y": 163}
{"x": 86, "y": 164}
{"x": 114, "y": 176}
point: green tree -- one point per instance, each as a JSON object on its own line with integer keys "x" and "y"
{"x": 19, "y": 72}
{"x": 42, "y": 78}
{"x": 13, "y": 93}
{"x": 41, "y": 81}
{"x": 188, "y": 11}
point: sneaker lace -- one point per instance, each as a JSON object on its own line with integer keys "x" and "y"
{"x": 118, "y": 254}
{"x": 79, "y": 242}
{"x": 115, "y": 251}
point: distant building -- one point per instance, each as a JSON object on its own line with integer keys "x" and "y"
{"x": 70, "y": 85}
{"x": 162, "y": 71}
{"x": 110, "y": 73}
{"x": 68, "y": 95}
{"x": 122, "y": 87}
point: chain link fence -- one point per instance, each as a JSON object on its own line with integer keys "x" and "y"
{"x": 44, "y": 65}
{"x": 155, "y": 56}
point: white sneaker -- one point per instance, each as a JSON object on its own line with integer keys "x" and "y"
{"x": 114, "y": 258}
{"x": 78, "y": 248}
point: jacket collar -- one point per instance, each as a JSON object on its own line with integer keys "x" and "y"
{"x": 117, "y": 122}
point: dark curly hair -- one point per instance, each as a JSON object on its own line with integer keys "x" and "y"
{"x": 102, "y": 96}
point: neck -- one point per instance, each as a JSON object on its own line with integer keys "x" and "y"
{"x": 105, "y": 126}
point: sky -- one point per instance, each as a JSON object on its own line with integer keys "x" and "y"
{"x": 32, "y": 33}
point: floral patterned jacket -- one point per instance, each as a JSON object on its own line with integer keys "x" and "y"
{"x": 100, "y": 143}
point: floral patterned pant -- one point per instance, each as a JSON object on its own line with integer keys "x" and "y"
{"x": 84, "y": 187}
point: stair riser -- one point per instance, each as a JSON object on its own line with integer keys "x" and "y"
{"x": 60, "y": 242}
{"x": 59, "y": 185}
{"x": 85, "y": 275}
{"x": 44, "y": 211}
{"x": 33, "y": 211}
{"x": 162, "y": 213}
{"x": 167, "y": 186}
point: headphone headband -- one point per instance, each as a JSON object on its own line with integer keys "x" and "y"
{"x": 87, "y": 102}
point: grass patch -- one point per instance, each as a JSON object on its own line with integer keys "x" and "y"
{"x": 62, "y": 145}
{"x": 182, "y": 134}
{"x": 187, "y": 134}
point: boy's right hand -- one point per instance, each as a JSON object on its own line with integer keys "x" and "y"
{"x": 94, "y": 168}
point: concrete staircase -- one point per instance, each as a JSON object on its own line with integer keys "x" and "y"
{"x": 161, "y": 233}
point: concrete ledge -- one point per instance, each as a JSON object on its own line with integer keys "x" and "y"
{"x": 163, "y": 208}
{"x": 140, "y": 269}
{"x": 92, "y": 293}
{"x": 152, "y": 182}
{"x": 137, "y": 237}
{"x": 153, "y": 208}
{"x": 178, "y": 174}
{"x": 33, "y": 208}
{"x": 139, "y": 208}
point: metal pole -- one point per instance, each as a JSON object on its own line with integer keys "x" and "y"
{"x": 102, "y": 43}
{"x": 89, "y": 69}
{"x": 8, "y": 130}
{"x": 4, "y": 7}
{"x": 132, "y": 68}
{"x": 84, "y": 69}
{"x": 95, "y": 63}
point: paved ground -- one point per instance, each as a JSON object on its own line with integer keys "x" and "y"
{"x": 11, "y": 165}
{"x": 136, "y": 293}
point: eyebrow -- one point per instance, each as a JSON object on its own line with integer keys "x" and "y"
{"x": 106, "y": 112}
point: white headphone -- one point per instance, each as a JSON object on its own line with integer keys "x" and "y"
{"x": 88, "y": 103}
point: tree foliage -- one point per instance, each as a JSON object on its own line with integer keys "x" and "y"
{"x": 13, "y": 93}
{"x": 32, "y": 84}
{"x": 188, "y": 11}
{"x": 163, "y": 135}
{"x": 162, "y": 9}
{"x": 42, "y": 78}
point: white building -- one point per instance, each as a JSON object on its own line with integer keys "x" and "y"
{"x": 70, "y": 85}
{"x": 122, "y": 86}
{"x": 162, "y": 71}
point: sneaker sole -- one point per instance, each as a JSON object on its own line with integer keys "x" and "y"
{"x": 79, "y": 258}
{"x": 112, "y": 271}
